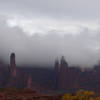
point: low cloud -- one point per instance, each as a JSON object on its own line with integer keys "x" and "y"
{"x": 79, "y": 49}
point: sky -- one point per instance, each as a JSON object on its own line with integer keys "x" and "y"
{"x": 40, "y": 31}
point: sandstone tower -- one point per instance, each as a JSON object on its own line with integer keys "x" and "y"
{"x": 29, "y": 82}
{"x": 56, "y": 66}
{"x": 63, "y": 64}
{"x": 12, "y": 81}
{"x": 56, "y": 73}
{"x": 13, "y": 64}
{"x": 63, "y": 73}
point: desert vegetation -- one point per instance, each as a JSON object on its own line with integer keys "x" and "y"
{"x": 81, "y": 95}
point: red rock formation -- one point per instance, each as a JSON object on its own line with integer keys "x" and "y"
{"x": 29, "y": 82}
{"x": 13, "y": 65}
{"x": 63, "y": 73}
{"x": 56, "y": 73}
{"x": 57, "y": 66}
{"x": 13, "y": 77}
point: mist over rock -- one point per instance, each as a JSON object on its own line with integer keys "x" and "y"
{"x": 78, "y": 49}
{"x": 59, "y": 78}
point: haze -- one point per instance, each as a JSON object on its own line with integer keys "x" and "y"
{"x": 39, "y": 31}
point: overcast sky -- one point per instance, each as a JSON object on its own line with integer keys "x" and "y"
{"x": 39, "y": 31}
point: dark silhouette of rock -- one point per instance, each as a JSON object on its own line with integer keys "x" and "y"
{"x": 67, "y": 77}
{"x": 57, "y": 66}
{"x": 60, "y": 78}
{"x": 13, "y": 65}
{"x": 63, "y": 74}
{"x": 14, "y": 76}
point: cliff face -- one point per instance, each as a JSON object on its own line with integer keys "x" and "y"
{"x": 63, "y": 74}
{"x": 73, "y": 78}
{"x": 67, "y": 76}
